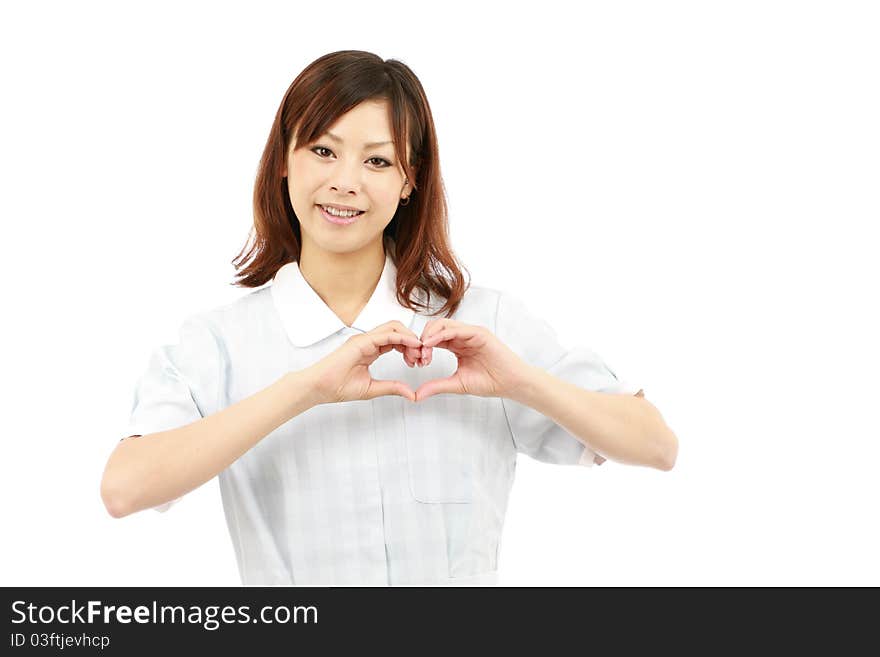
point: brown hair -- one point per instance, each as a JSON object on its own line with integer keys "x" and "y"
{"x": 325, "y": 90}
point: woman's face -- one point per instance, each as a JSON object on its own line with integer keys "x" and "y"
{"x": 351, "y": 165}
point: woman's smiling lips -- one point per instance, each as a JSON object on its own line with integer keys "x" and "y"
{"x": 339, "y": 221}
{"x": 337, "y": 206}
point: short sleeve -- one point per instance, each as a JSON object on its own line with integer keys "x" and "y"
{"x": 535, "y": 341}
{"x": 180, "y": 385}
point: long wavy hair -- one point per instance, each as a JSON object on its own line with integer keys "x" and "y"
{"x": 325, "y": 90}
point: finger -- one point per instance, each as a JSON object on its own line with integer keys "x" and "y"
{"x": 432, "y": 328}
{"x": 379, "y": 388}
{"x": 437, "y": 387}
{"x": 410, "y": 354}
{"x": 413, "y": 355}
{"x": 445, "y": 335}
{"x": 423, "y": 356}
{"x": 437, "y": 325}
{"x": 406, "y": 352}
{"x": 396, "y": 326}
{"x": 408, "y": 340}
{"x": 378, "y": 340}
{"x": 409, "y": 348}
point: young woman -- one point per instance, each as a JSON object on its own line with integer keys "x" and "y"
{"x": 364, "y": 411}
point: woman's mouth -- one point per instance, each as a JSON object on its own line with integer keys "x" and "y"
{"x": 339, "y": 217}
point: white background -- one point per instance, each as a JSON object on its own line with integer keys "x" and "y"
{"x": 688, "y": 188}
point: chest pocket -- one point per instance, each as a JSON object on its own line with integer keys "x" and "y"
{"x": 446, "y": 439}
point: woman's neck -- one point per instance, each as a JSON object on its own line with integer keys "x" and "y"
{"x": 344, "y": 281}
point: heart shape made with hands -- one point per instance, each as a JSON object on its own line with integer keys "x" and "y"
{"x": 486, "y": 366}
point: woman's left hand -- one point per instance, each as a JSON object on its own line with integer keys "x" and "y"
{"x": 486, "y": 366}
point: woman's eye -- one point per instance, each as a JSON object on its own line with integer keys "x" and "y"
{"x": 380, "y": 162}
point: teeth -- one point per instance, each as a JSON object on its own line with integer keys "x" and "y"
{"x": 340, "y": 213}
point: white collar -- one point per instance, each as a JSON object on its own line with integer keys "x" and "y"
{"x": 307, "y": 319}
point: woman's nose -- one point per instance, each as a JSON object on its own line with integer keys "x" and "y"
{"x": 346, "y": 177}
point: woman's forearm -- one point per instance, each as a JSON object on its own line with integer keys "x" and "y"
{"x": 149, "y": 470}
{"x": 623, "y": 428}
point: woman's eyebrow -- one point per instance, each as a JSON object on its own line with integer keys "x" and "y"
{"x": 372, "y": 144}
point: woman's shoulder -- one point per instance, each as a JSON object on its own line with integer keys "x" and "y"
{"x": 486, "y": 295}
{"x": 482, "y": 301}
{"x": 494, "y": 306}
{"x": 481, "y": 294}
{"x": 221, "y": 318}
{"x": 478, "y": 305}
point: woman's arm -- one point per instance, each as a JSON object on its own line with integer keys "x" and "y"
{"x": 146, "y": 471}
{"x": 624, "y": 428}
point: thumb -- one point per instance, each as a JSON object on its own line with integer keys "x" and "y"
{"x": 380, "y": 388}
{"x": 438, "y": 387}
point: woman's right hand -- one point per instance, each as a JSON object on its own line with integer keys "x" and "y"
{"x": 343, "y": 375}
